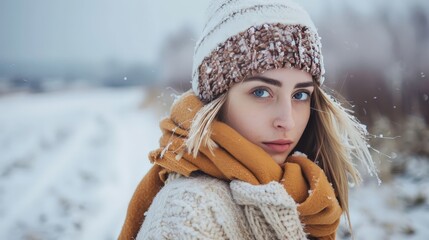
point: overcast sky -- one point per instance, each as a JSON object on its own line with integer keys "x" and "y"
{"x": 90, "y": 30}
{"x": 100, "y": 30}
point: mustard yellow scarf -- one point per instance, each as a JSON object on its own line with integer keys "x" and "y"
{"x": 235, "y": 158}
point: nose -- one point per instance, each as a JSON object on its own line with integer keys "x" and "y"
{"x": 284, "y": 118}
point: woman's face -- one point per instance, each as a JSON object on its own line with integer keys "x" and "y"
{"x": 271, "y": 109}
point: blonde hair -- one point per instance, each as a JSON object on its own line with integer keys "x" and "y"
{"x": 200, "y": 130}
{"x": 333, "y": 138}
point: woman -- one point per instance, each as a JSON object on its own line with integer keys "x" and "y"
{"x": 229, "y": 164}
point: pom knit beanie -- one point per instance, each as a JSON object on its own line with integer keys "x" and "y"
{"x": 242, "y": 38}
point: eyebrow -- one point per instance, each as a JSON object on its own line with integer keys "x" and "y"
{"x": 304, "y": 84}
{"x": 277, "y": 82}
{"x": 265, "y": 80}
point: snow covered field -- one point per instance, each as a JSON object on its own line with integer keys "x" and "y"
{"x": 70, "y": 161}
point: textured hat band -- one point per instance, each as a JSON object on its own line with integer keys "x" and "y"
{"x": 259, "y": 48}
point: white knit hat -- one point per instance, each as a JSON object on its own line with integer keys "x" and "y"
{"x": 245, "y": 37}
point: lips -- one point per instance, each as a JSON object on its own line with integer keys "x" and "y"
{"x": 279, "y": 146}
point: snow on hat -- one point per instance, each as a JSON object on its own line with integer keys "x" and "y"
{"x": 246, "y": 37}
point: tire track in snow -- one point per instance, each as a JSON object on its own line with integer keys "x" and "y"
{"x": 106, "y": 222}
{"x": 95, "y": 225}
{"x": 60, "y": 159}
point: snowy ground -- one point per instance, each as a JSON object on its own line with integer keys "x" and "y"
{"x": 70, "y": 161}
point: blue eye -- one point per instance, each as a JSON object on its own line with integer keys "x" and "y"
{"x": 261, "y": 93}
{"x": 302, "y": 96}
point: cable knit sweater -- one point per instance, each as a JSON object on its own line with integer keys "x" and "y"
{"x": 202, "y": 207}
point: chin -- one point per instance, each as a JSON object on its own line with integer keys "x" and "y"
{"x": 280, "y": 160}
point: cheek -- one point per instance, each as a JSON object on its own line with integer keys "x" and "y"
{"x": 245, "y": 120}
{"x": 303, "y": 116}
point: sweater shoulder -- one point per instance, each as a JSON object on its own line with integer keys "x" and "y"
{"x": 198, "y": 183}
{"x": 196, "y": 207}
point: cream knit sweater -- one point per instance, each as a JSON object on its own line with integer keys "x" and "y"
{"x": 202, "y": 207}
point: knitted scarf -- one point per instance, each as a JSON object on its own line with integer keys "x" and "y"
{"x": 234, "y": 158}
